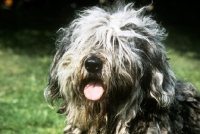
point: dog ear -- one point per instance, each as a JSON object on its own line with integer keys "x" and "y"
{"x": 52, "y": 91}
{"x": 162, "y": 87}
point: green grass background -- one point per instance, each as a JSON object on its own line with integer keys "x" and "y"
{"x": 25, "y": 57}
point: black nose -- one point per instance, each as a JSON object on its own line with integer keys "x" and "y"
{"x": 93, "y": 64}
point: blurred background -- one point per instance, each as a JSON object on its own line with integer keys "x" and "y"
{"x": 27, "y": 35}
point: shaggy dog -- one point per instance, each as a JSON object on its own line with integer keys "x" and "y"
{"x": 112, "y": 73}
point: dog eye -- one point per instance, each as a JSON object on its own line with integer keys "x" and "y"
{"x": 128, "y": 26}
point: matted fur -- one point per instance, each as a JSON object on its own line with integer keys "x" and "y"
{"x": 142, "y": 95}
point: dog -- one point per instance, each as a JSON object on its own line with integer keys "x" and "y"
{"x": 113, "y": 76}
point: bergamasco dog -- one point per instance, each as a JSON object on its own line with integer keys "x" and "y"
{"x": 113, "y": 76}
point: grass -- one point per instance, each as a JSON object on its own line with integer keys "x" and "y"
{"x": 23, "y": 109}
{"x": 24, "y": 64}
{"x": 22, "y": 103}
{"x": 183, "y": 50}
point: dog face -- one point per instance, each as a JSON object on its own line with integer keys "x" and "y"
{"x": 110, "y": 60}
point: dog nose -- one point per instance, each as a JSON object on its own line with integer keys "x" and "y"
{"x": 93, "y": 64}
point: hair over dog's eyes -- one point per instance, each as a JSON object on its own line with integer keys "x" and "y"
{"x": 129, "y": 26}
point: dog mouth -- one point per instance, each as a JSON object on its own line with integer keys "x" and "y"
{"x": 93, "y": 89}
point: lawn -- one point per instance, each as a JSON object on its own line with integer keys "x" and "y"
{"x": 23, "y": 109}
{"x": 25, "y": 57}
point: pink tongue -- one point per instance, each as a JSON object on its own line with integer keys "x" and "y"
{"x": 93, "y": 91}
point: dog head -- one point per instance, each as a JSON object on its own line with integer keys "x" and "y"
{"x": 109, "y": 60}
